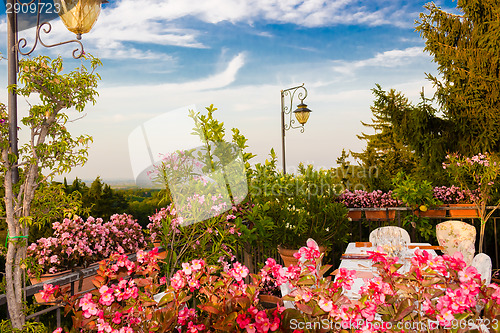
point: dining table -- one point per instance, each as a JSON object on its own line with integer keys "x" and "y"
{"x": 355, "y": 258}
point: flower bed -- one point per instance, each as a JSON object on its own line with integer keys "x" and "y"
{"x": 79, "y": 243}
{"x": 439, "y": 291}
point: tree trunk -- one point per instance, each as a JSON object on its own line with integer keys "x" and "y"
{"x": 15, "y": 253}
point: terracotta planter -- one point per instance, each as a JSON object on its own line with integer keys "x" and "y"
{"x": 354, "y": 215}
{"x": 287, "y": 256}
{"x": 463, "y": 213}
{"x": 45, "y": 278}
{"x": 163, "y": 254}
{"x": 431, "y": 212}
{"x": 289, "y": 259}
{"x": 380, "y": 214}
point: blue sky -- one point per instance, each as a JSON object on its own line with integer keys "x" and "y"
{"x": 162, "y": 55}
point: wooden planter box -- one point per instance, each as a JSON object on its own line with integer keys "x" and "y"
{"x": 354, "y": 215}
{"x": 432, "y": 212}
{"x": 380, "y": 214}
{"x": 463, "y": 213}
{"x": 84, "y": 284}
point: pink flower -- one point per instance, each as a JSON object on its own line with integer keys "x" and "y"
{"x": 238, "y": 272}
{"x": 48, "y": 290}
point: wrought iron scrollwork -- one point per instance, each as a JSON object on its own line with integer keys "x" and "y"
{"x": 44, "y": 27}
{"x": 301, "y": 93}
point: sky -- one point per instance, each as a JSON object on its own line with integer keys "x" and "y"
{"x": 164, "y": 55}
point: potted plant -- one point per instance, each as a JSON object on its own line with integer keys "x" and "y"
{"x": 379, "y": 199}
{"x": 476, "y": 173}
{"x": 417, "y": 195}
{"x": 297, "y": 207}
{"x": 454, "y": 196}
{"x": 77, "y": 243}
{"x": 354, "y": 199}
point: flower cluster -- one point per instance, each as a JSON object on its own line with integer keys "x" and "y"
{"x": 76, "y": 242}
{"x": 213, "y": 238}
{"x": 118, "y": 305}
{"x": 454, "y": 194}
{"x": 255, "y": 320}
{"x": 364, "y": 199}
{"x": 440, "y": 289}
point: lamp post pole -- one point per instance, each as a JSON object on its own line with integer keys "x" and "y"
{"x": 301, "y": 114}
{"x": 11, "y": 81}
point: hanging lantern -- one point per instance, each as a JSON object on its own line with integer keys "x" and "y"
{"x": 302, "y": 113}
{"x": 79, "y": 16}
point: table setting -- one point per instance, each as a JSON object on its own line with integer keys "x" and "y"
{"x": 356, "y": 257}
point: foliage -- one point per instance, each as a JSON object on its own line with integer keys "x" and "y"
{"x": 386, "y": 150}
{"x": 78, "y": 243}
{"x": 99, "y": 199}
{"x": 477, "y": 173}
{"x": 199, "y": 297}
{"x": 215, "y": 239}
{"x": 300, "y": 206}
{"x": 465, "y": 48}
{"x": 414, "y": 194}
{"x": 29, "y": 327}
{"x": 50, "y": 204}
{"x": 50, "y": 148}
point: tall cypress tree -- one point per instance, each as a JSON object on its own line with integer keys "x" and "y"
{"x": 466, "y": 48}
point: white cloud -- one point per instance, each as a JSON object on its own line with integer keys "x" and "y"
{"x": 156, "y": 22}
{"x": 392, "y": 58}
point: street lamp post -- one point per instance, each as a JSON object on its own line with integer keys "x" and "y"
{"x": 301, "y": 114}
{"x": 78, "y": 16}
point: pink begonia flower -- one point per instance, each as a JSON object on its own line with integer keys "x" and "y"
{"x": 197, "y": 264}
{"x": 325, "y": 305}
{"x": 238, "y": 272}
{"x": 117, "y": 318}
{"x": 58, "y": 330}
{"x": 48, "y": 290}
{"x": 177, "y": 281}
{"x": 186, "y": 268}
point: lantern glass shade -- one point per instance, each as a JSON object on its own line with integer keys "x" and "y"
{"x": 79, "y": 16}
{"x": 302, "y": 113}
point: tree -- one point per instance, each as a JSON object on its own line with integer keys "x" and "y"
{"x": 386, "y": 149}
{"x": 51, "y": 148}
{"x": 466, "y": 48}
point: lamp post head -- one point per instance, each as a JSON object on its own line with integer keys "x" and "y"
{"x": 302, "y": 113}
{"x": 79, "y": 16}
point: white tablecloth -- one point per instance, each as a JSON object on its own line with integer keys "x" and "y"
{"x": 364, "y": 266}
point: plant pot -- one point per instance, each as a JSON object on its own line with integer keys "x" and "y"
{"x": 432, "y": 212}
{"x": 463, "y": 213}
{"x": 354, "y": 214}
{"x": 380, "y": 214}
{"x": 45, "y": 278}
{"x": 288, "y": 258}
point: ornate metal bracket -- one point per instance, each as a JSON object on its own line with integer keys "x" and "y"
{"x": 44, "y": 27}
{"x": 287, "y": 111}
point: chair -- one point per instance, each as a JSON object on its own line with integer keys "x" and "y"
{"x": 457, "y": 236}
{"x": 391, "y": 231}
{"x": 482, "y": 262}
